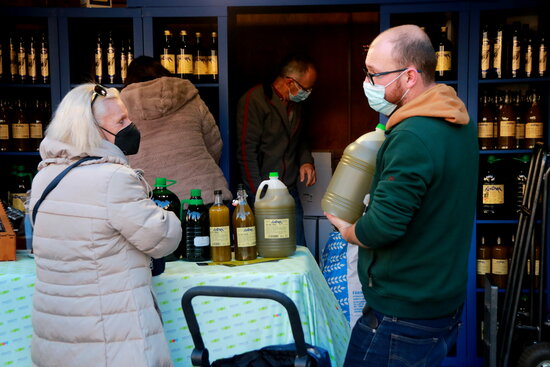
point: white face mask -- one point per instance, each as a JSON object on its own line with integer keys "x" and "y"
{"x": 375, "y": 95}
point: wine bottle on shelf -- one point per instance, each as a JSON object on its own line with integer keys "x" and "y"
{"x": 492, "y": 190}
{"x": 483, "y": 262}
{"x": 32, "y": 61}
{"x": 444, "y": 54}
{"x": 498, "y": 52}
{"x": 168, "y": 56}
{"x": 507, "y": 124}
{"x": 499, "y": 263}
{"x": 185, "y": 57}
{"x": 44, "y": 59}
{"x": 485, "y": 52}
{"x": 542, "y": 64}
{"x": 200, "y": 60}
{"x": 534, "y": 127}
{"x": 123, "y": 62}
{"x": 99, "y": 60}
{"x": 130, "y": 51}
{"x": 20, "y": 129}
{"x": 520, "y": 119}
{"x": 22, "y": 60}
{"x": 528, "y": 54}
{"x": 4, "y": 128}
{"x": 213, "y": 58}
{"x": 516, "y": 51}
{"x": 36, "y": 126}
{"x": 520, "y": 180}
{"x": 111, "y": 59}
{"x": 14, "y": 67}
{"x": 486, "y": 123}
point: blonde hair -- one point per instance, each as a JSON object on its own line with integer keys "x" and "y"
{"x": 74, "y": 123}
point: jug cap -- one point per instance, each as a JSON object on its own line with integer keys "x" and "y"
{"x": 381, "y": 127}
{"x": 274, "y": 174}
{"x": 195, "y": 192}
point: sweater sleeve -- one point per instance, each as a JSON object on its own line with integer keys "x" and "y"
{"x": 149, "y": 228}
{"x": 249, "y": 130}
{"x": 406, "y": 172}
{"x": 210, "y": 133}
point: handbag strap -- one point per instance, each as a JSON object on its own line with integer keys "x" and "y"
{"x": 55, "y": 182}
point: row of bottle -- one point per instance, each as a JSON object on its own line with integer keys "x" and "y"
{"x": 495, "y": 258}
{"x": 22, "y": 124}
{"x": 26, "y": 59}
{"x": 208, "y": 231}
{"x": 15, "y": 187}
{"x": 195, "y": 61}
{"x": 512, "y": 52}
{"x": 112, "y": 58}
{"x": 510, "y": 120}
{"x": 502, "y": 186}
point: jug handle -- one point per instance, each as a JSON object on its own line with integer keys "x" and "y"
{"x": 260, "y": 189}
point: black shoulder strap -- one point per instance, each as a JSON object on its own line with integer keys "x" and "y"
{"x": 55, "y": 182}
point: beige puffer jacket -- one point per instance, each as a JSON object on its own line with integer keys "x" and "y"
{"x": 179, "y": 136}
{"x": 93, "y": 238}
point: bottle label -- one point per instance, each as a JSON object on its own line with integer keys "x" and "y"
{"x": 31, "y": 60}
{"x": 36, "y": 130}
{"x": 111, "y": 62}
{"x": 22, "y": 64}
{"x": 529, "y": 61}
{"x": 493, "y": 194}
{"x": 507, "y": 128}
{"x": 499, "y": 266}
{"x": 219, "y": 236}
{"x": 497, "y": 54}
{"x": 542, "y": 60}
{"x": 201, "y": 65}
{"x": 20, "y": 131}
{"x": 534, "y": 130}
{"x": 185, "y": 64}
{"x": 443, "y": 60}
{"x": 520, "y": 131}
{"x": 44, "y": 64}
{"x": 483, "y": 266}
{"x": 98, "y": 63}
{"x": 4, "y": 132}
{"x": 516, "y": 52}
{"x": 485, "y": 54}
{"x": 485, "y": 129}
{"x": 277, "y": 228}
{"x": 246, "y": 236}
{"x": 201, "y": 241}
{"x": 167, "y": 60}
{"x": 212, "y": 64}
{"x": 18, "y": 200}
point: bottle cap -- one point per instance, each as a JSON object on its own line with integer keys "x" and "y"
{"x": 160, "y": 181}
{"x": 240, "y": 187}
{"x": 274, "y": 174}
{"x": 195, "y": 192}
{"x": 491, "y": 159}
{"x": 381, "y": 127}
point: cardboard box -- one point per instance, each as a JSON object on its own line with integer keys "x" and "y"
{"x": 96, "y": 3}
{"x": 311, "y": 196}
{"x": 7, "y": 237}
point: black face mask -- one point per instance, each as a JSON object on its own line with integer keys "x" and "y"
{"x": 127, "y": 139}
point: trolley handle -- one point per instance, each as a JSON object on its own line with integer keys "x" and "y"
{"x": 199, "y": 356}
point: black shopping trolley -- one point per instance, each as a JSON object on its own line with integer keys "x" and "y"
{"x": 297, "y": 354}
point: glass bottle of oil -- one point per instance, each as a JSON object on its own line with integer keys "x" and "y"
{"x": 244, "y": 228}
{"x": 220, "y": 243}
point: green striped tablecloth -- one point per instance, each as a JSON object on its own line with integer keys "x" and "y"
{"x": 229, "y": 325}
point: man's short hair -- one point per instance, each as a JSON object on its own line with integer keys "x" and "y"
{"x": 410, "y": 49}
{"x": 295, "y": 65}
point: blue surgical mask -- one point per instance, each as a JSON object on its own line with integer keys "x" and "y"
{"x": 375, "y": 94}
{"x": 300, "y": 96}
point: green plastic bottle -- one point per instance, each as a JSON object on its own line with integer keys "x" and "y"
{"x": 167, "y": 200}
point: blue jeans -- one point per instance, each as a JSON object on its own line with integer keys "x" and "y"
{"x": 300, "y": 236}
{"x": 380, "y": 340}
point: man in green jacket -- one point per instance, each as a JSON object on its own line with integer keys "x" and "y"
{"x": 415, "y": 235}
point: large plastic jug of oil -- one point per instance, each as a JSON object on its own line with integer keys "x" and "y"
{"x": 275, "y": 219}
{"x": 352, "y": 178}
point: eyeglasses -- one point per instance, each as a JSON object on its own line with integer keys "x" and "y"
{"x": 300, "y": 85}
{"x": 372, "y": 75}
{"x": 99, "y": 90}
